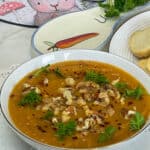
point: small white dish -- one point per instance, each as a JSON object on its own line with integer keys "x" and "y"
{"x": 71, "y": 25}
{"x": 119, "y": 43}
{"x": 59, "y": 56}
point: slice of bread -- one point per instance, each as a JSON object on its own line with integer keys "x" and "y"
{"x": 145, "y": 64}
{"x": 139, "y": 43}
{"x": 148, "y": 65}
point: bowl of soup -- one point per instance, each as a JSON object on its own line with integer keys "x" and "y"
{"x": 76, "y": 99}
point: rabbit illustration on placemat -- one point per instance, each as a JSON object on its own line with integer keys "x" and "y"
{"x": 49, "y": 9}
{"x": 37, "y": 12}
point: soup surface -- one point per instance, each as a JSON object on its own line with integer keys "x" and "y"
{"x": 79, "y": 104}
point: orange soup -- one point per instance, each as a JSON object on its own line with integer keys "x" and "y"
{"x": 79, "y": 104}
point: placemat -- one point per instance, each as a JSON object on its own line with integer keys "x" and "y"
{"x": 36, "y": 12}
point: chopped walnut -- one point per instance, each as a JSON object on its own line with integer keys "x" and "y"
{"x": 70, "y": 81}
{"x": 104, "y": 99}
{"x": 45, "y": 82}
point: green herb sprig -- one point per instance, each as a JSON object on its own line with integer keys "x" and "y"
{"x": 44, "y": 69}
{"x": 114, "y": 9}
{"x": 121, "y": 87}
{"x": 137, "y": 122}
{"x": 135, "y": 93}
{"x": 127, "y": 92}
{"x": 31, "y": 99}
{"x": 107, "y": 134}
{"x": 58, "y": 72}
{"x": 96, "y": 77}
{"x": 65, "y": 129}
{"x": 48, "y": 115}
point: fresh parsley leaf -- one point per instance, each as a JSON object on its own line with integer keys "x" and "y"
{"x": 137, "y": 122}
{"x": 119, "y": 6}
{"x": 96, "y": 77}
{"x": 48, "y": 115}
{"x": 65, "y": 129}
{"x": 58, "y": 72}
{"x": 112, "y": 12}
{"x": 103, "y": 5}
{"x": 31, "y": 99}
{"x": 121, "y": 87}
{"x": 129, "y": 4}
{"x": 135, "y": 93}
{"x": 107, "y": 134}
{"x": 41, "y": 70}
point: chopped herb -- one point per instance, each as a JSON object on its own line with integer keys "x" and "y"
{"x": 137, "y": 122}
{"x": 95, "y": 77}
{"x": 31, "y": 99}
{"x": 121, "y": 87}
{"x": 44, "y": 69}
{"x": 119, "y": 4}
{"x": 129, "y": 4}
{"x": 112, "y": 12}
{"x": 135, "y": 93}
{"x": 65, "y": 129}
{"x": 58, "y": 72}
{"x": 113, "y": 9}
{"x": 48, "y": 115}
{"x": 107, "y": 134}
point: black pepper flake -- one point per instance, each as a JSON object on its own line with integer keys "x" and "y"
{"x": 54, "y": 129}
{"x": 99, "y": 111}
{"x": 106, "y": 123}
{"x": 130, "y": 103}
{"x": 102, "y": 125}
{"x": 40, "y": 128}
{"x": 119, "y": 124}
{"x": 119, "y": 128}
{"x": 30, "y": 76}
{"x": 74, "y": 137}
{"x": 45, "y": 126}
{"x": 12, "y": 95}
{"x": 112, "y": 105}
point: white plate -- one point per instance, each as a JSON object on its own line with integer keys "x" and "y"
{"x": 71, "y": 25}
{"x": 119, "y": 42}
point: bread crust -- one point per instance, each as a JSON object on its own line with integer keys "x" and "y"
{"x": 139, "y": 43}
{"x": 145, "y": 64}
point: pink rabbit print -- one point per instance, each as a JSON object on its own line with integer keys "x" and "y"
{"x": 48, "y": 9}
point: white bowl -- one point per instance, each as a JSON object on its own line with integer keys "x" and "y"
{"x": 59, "y": 56}
{"x": 71, "y": 25}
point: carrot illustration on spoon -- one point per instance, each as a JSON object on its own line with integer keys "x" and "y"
{"x": 66, "y": 43}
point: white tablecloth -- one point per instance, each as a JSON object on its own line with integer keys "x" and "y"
{"x": 15, "y": 49}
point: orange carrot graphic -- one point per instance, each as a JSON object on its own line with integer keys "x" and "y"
{"x": 66, "y": 43}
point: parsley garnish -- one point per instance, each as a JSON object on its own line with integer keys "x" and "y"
{"x": 96, "y": 77}
{"x": 65, "y": 129}
{"x": 113, "y": 9}
{"x": 48, "y": 115}
{"x": 31, "y": 99}
{"x": 121, "y": 87}
{"x": 44, "y": 69}
{"x": 107, "y": 134}
{"x": 136, "y": 122}
{"x": 135, "y": 93}
{"x": 58, "y": 72}
{"x": 124, "y": 89}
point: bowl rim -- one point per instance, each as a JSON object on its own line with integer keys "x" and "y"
{"x": 20, "y": 133}
{"x": 100, "y": 46}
